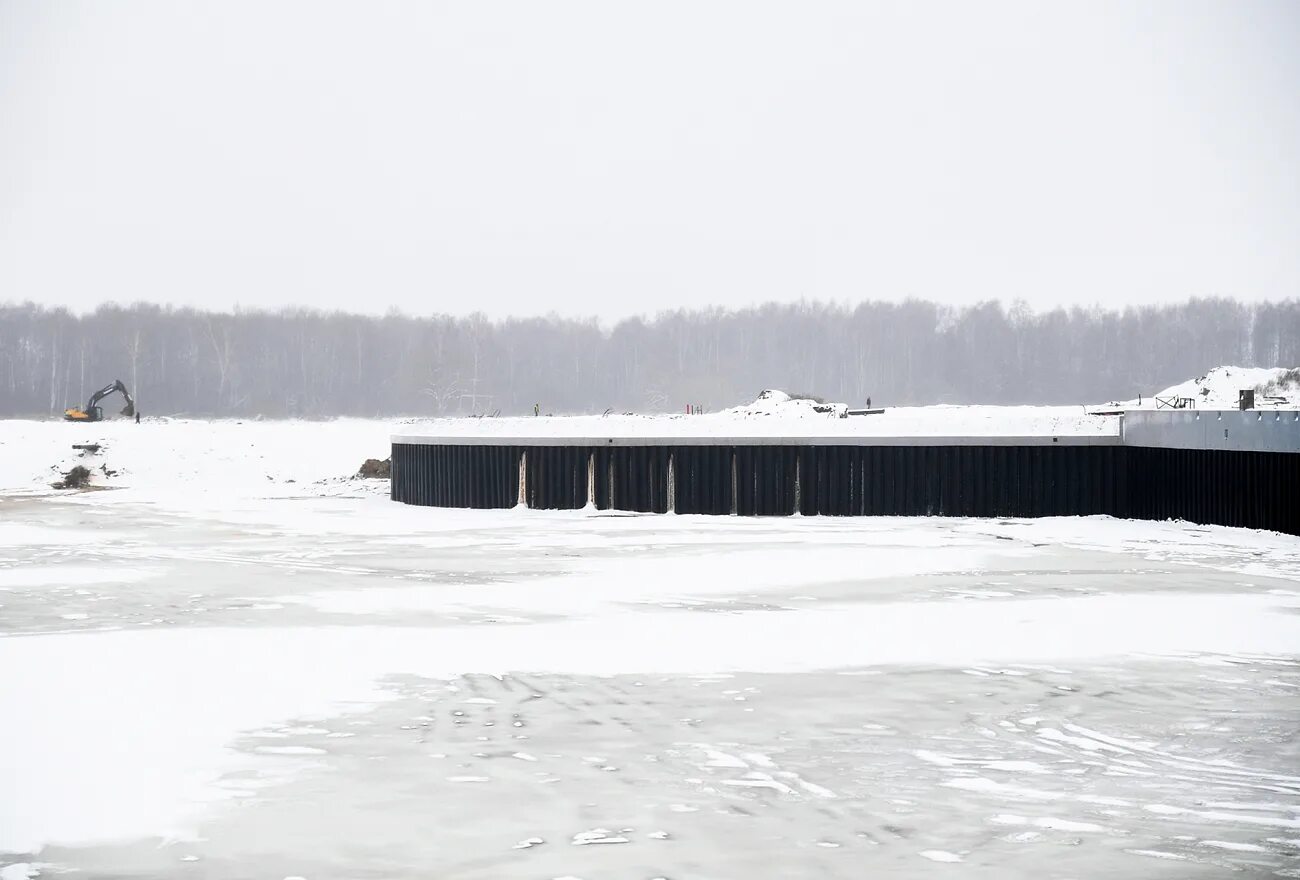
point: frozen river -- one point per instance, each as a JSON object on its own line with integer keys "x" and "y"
{"x": 340, "y": 687}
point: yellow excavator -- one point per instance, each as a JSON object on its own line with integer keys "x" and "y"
{"x": 93, "y": 412}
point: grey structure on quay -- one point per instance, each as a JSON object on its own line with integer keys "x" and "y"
{"x": 1226, "y": 467}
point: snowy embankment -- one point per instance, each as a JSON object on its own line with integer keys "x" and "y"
{"x": 1274, "y": 387}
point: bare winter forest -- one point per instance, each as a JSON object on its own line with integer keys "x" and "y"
{"x": 314, "y": 364}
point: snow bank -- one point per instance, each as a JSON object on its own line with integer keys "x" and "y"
{"x": 1218, "y": 389}
{"x": 779, "y": 404}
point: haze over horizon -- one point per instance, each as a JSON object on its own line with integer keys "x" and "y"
{"x": 590, "y": 159}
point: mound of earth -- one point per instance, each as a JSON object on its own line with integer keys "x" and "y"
{"x": 77, "y": 478}
{"x": 374, "y": 469}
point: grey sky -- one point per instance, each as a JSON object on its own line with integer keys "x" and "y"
{"x": 615, "y": 158}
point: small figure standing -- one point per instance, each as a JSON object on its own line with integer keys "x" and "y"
{"x": 537, "y": 409}
{"x": 868, "y": 403}
{"x": 137, "y": 417}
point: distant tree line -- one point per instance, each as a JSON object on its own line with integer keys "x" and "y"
{"x": 314, "y": 364}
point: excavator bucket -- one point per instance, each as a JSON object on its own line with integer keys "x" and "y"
{"x": 129, "y": 409}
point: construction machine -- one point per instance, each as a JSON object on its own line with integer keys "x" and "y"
{"x": 93, "y": 412}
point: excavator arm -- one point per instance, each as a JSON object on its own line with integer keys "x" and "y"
{"x": 128, "y": 410}
{"x": 92, "y": 412}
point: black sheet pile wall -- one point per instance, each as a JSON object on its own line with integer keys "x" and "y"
{"x": 455, "y": 476}
{"x": 960, "y": 480}
{"x": 555, "y": 477}
{"x": 1252, "y": 489}
{"x": 1257, "y": 490}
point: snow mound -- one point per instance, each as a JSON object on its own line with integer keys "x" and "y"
{"x": 1218, "y": 389}
{"x": 774, "y": 402}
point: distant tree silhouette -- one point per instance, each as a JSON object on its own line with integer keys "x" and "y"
{"x": 305, "y": 363}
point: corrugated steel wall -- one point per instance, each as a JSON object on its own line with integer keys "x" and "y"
{"x": 1255, "y": 489}
{"x": 455, "y": 476}
{"x": 1258, "y": 490}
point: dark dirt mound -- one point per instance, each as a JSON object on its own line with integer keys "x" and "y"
{"x": 77, "y": 478}
{"x": 374, "y": 469}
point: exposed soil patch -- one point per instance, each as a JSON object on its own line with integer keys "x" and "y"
{"x": 77, "y": 478}
{"x": 374, "y": 469}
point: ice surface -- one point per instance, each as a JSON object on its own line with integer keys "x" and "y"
{"x": 938, "y": 855}
{"x": 655, "y": 580}
{"x": 19, "y": 871}
{"x": 154, "y": 686}
{"x": 33, "y": 576}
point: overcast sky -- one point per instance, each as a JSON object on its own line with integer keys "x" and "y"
{"x": 615, "y": 158}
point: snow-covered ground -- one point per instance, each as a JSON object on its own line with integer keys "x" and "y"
{"x": 794, "y": 418}
{"x": 194, "y": 459}
{"x": 237, "y": 662}
{"x": 1274, "y": 387}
